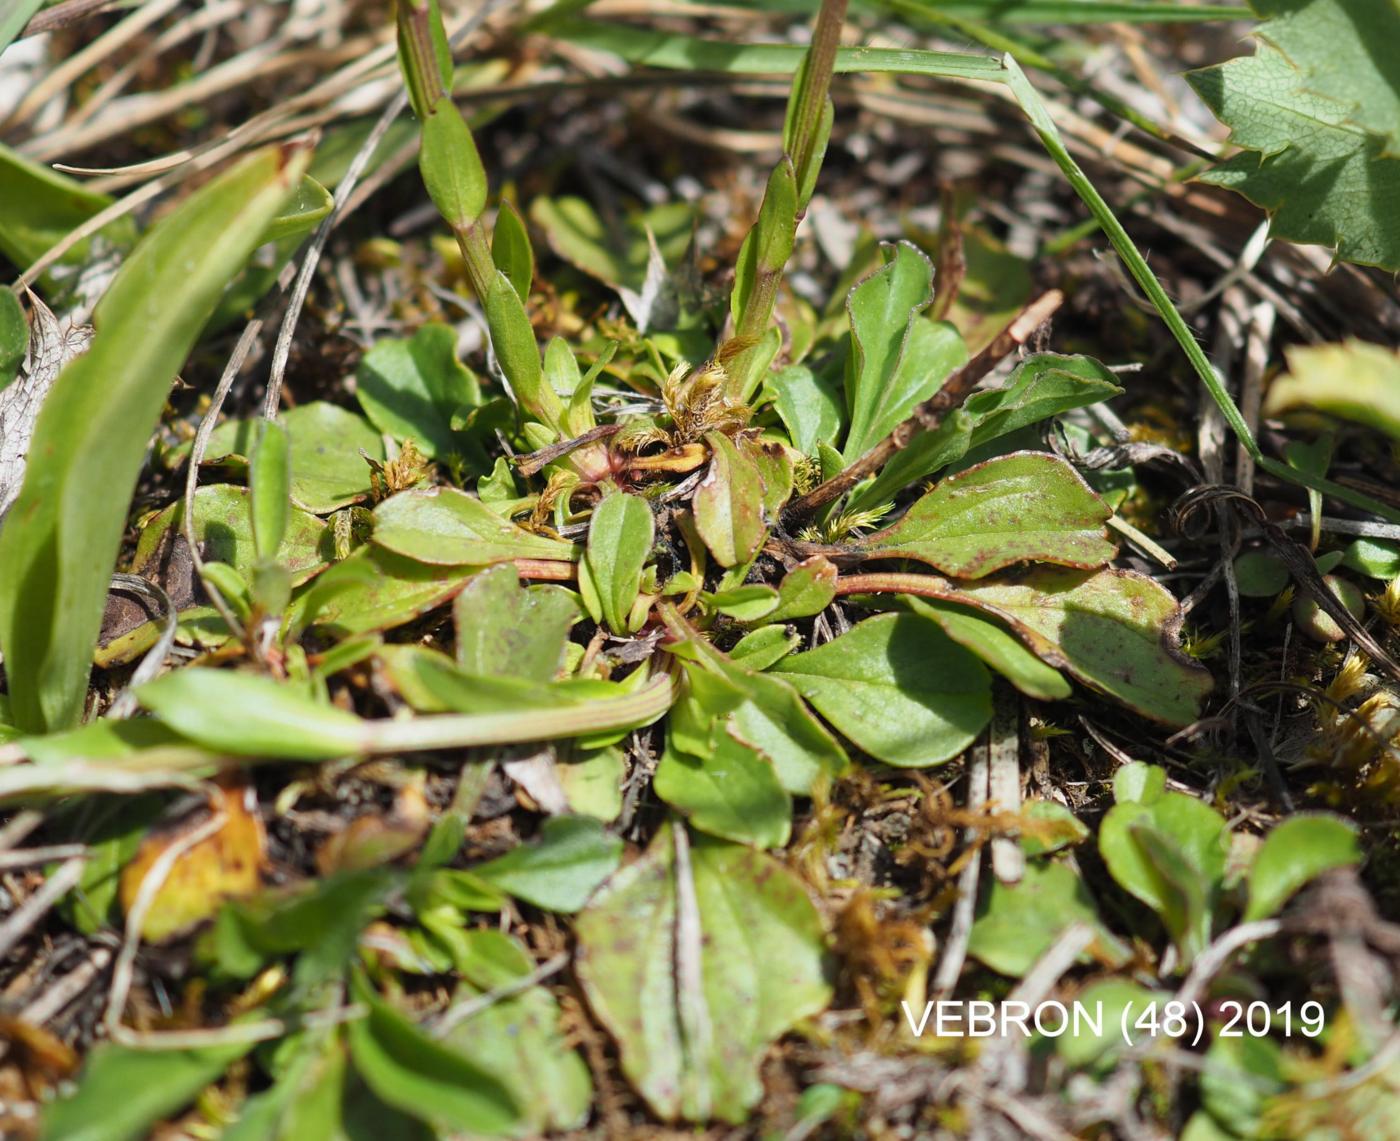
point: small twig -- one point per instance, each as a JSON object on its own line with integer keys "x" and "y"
{"x": 52, "y": 999}
{"x": 470, "y": 1007}
{"x": 154, "y": 661}
{"x": 950, "y": 965}
{"x": 197, "y": 449}
{"x": 931, "y": 413}
{"x": 24, "y": 822}
{"x": 28, "y": 857}
{"x": 28, "y": 913}
{"x": 535, "y": 461}
{"x": 151, "y": 883}
{"x": 1214, "y": 957}
{"x": 1004, "y": 778}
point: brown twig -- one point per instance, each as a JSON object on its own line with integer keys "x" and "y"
{"x": 529, "y": 465}
{"x": 932, "y": 412}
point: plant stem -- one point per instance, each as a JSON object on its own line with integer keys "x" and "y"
{"x": 467, "y": 730}
{"x": 815, "y": 86}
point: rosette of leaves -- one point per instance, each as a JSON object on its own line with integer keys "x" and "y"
{"x": 753, "y": 558}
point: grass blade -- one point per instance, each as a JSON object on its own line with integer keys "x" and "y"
{"x": 60, "y": 540}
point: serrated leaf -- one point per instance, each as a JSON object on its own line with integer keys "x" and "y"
{"x": 757, "y": 955}
{"x": 415, "y": 386}
{"x": 560, "y": 870}
{"x": 1112, "y": 629}
{"x": 1357, "y": 381}
{"x": 446, "y": 526}
{"x": 1025, "y": 507}
{"x": 61, "y": 537}
{"x": 728, "y": 504}
{"x": 620, "y": 536}
{"x": 1318, "y": 112}
{"x": 898, "y": 687}
{"x": 1296, "y": 851}
{"x": 897, "y": 358}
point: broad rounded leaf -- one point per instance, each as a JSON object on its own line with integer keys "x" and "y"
{"x": 1298, "y": 850}
{"x": 754, "y": 942}
{"x": 898, "y": 687}
{"x": 446, "y": 526}
{"x": 1112, "y": 629}
{"x": 1024, "y": 507}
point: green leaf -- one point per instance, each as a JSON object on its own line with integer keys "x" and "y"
{"x": 760, "y": 648}
{"x": 520, "y": 1041}
{"x": 730, "y": 790}
{"x": 771, "y": 716}
{"x": 328, "y": 471}
{"x": 305, "y": 1102}
{"x": 14, "y": 336}
{"x": 504, "y": 629}
{"x": 592, "y": 782}
{"x": 1049, "y": 826}
{"x": 510, "y": 250}
{"x": 728, "y": 504}
{"x": 122, "y": 1092}
{"x": 450, "y": 165}
{"x": 807, "y": 589}
{"x": 1260, "y": 574}
{"x": 615, "y": 256}
{"x": 375, "y": 589}
{"x": 1041, "y": 386}
{"x": 1317, "y": 110}
{"x": 319, "y": 921}
{"x": 896, "y": 686}
{"x": 1017, "y": 923}
{"x": 755, "y": 948}
{"x": 223, "y": 528}
{"x": 1374, "y": 558}
{"x": 1354, "y": 380}
{"x": 1114, "y": 630}
{"x": 560, "y": 870}
{"x": 43, "y": 206}
{"x": 250, "y": 716}
{"x": 1028, "y": 506}
{"x": 809, "y": 405}
{"x": 1170, "y": 853}
{"x": 766, "y": 250}
{"x": 1139, "y": 783}
{"x": 15, "y": 19}
{"x": 414, "y": 387}
{"x": 620, "y": 537}
{"x": 61, "y": 537}
{"x": 446, "y": 526}
{"x": 994, "y": 288}
{"x": 997, "y": 648}
{"x": 414, "y": 1073}
{"x": 881, "y": 388}
{"x": 1087, "y": 1050}
{"x": 1298, "y": 850}
{"x": 513, "y": 340}
{"x": 269, "y": 485}
{"x": 310, "y": 203}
